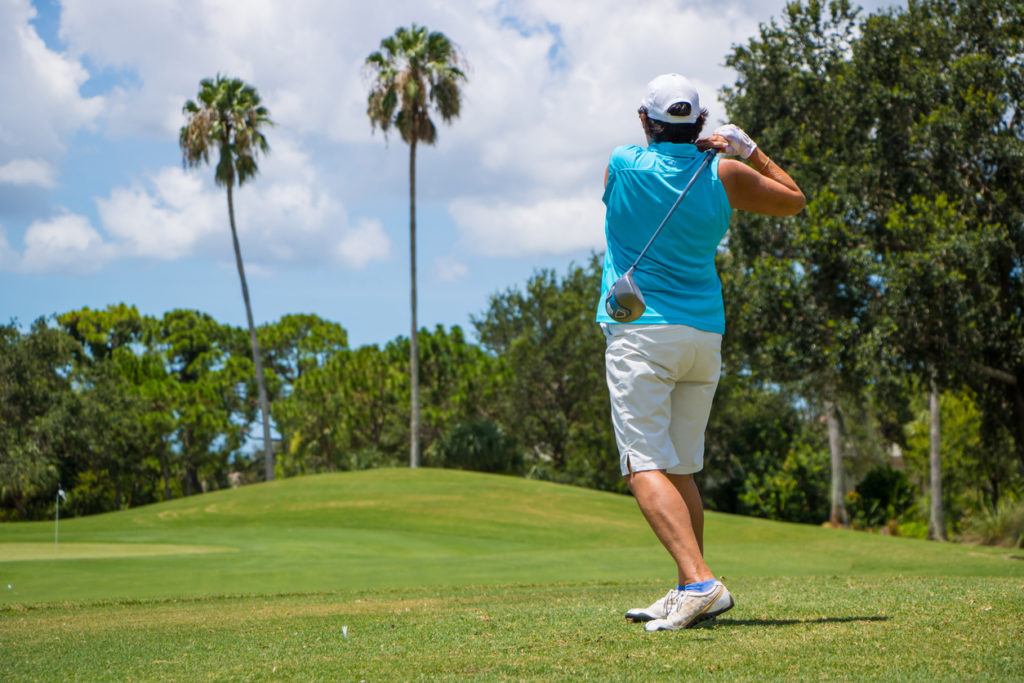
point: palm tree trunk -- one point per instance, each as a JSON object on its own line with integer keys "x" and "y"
{"x": 937, "y": 518}
{"x": 414, "y": 347}
{"x": 837, "y": 515}
{"x": 257, "y": 359}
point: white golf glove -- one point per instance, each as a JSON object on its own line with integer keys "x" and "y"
{"x": 740, "y": 143}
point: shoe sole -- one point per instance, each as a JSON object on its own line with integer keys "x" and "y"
{"x": 641, "y": 617}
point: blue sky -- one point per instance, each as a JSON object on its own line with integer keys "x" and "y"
{"x": 96, "y": 209}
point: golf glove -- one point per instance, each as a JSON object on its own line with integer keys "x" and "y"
{"x": 739, "y": 142}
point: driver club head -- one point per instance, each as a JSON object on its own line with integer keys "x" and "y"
{"x": 624, "y": 302}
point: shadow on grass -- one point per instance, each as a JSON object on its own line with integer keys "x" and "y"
{"x": 787, "y": 622}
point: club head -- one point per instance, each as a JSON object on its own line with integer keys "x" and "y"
{"x": 624, "y": 302}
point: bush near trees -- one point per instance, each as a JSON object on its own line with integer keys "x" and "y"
{"x": 479, "y": 445}
{"x": 883, "y": 495}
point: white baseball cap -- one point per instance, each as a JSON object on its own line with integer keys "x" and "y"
{"x": 666, "y": 90}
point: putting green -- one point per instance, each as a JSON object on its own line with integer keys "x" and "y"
{"x": 16, "y": 552}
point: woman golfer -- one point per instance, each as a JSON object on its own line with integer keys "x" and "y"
{"x": 663, "y": 368}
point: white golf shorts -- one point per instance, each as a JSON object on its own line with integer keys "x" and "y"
{"x": 662, "y": 380}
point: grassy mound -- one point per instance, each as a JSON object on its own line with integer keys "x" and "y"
{"x": 390, "y": 528}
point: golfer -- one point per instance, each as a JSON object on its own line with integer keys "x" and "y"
{"x": 663, "y": 368}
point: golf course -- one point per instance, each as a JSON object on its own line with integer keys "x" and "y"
{"x": 397, "y": 574}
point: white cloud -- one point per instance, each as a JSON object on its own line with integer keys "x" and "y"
{"x": 563, "y": 80}
{"x": 7, "y": 256}
{"x": 552, "y": 88}
{"x": 546, "y": 226}
{"x": 65, "y": 243}
{"x": 28, "y": 172}
{"x": 39, "y": 88}
{"x": 448, "y": 269}
{"x": 362, "y": 244}
{"x": 303, "y": 57}
{"x": 166, "y": 221}
{"x": 284, "y": 215}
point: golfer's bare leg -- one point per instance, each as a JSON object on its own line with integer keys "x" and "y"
{"x": 687, "y": 487}
{"x": 666, "y": 511}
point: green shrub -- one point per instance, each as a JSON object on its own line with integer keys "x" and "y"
{"x": 884, "y": 494}
{"x": 915, "y": 528}
{"x": 370, "y": 457}
{"x": 91, "y": 495}
{"x": 1003, "y": 526}
{"x": 479, "y": 445}
{"x": 794, "y": 491}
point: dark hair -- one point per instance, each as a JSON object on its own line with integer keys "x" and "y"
{"x": 661, "y": 131}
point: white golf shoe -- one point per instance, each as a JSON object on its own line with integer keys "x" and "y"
{"x": 659, "y": 610}
{"x": 690, "y": 608}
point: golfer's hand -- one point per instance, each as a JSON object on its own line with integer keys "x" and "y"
{"x": 715, "y": 142}
{"x": 739, "y": 143}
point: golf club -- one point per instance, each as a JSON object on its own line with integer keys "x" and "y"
{"x": 625, "y": 302}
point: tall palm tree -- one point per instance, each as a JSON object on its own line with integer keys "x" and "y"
{"x": 413, "y": 73}
{"x": 229, "y": 117}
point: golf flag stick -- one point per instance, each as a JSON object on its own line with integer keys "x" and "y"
{"x": 625, "y": 302}
{"x": 56, "y": 527}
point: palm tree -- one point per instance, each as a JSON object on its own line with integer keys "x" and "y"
{"x": 229, "y": 117}
{"x": 414, "y": 72}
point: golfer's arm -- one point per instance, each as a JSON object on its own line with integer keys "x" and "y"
{"x": 762, "y": 187}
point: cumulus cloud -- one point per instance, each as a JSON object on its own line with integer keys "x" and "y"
{"x": 28, "y": 172}
{"x": 285, "y": 215}
{"x": 448, "y": 269}
{"x": 43, "y": 104}
{"x": 66, "y": 243}
{"x": 563, "y": 81}
{"x": 164, "y": 220}
{"x": 552, "y": 88}
{"x": 7, "y": 256}
{"x": 304, "y": 58}
{"x": 362, "y": 244}
{"x": 546, "y": 226}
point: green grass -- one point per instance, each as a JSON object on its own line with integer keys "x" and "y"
{"x": 448, "y": 574}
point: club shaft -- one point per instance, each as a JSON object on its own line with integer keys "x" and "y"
{"x": 707, "y": 159}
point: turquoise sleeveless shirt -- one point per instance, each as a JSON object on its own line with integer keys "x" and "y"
{"x": 677, "y": 276}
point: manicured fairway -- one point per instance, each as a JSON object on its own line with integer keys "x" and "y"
{"x": 397, "y": 574}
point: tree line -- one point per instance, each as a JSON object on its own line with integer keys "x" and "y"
{"x": 123, "y": 409}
